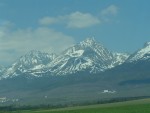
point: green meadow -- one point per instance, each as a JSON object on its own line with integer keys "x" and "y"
{"x": 135, "y": 106}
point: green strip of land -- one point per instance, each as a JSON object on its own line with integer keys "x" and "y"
{"x": 135, "y": 106}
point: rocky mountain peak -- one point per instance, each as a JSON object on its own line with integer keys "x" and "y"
{"x": 147, "y": 44}
{"x": 36, "y": 57}
{"x": 87, "y": 56}
{"x": 141, "y": 54}
{"x": 88, "y": 42}
{"x": 31, "y": 61}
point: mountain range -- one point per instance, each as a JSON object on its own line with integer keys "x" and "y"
{"x": 88, "y": 56}
{"x": 81, "y": 73}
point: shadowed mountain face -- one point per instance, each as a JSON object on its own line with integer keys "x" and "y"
{"x": 85, "y": 72}
{"x": 136, "y": 68}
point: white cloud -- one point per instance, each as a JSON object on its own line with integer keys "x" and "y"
{"x": 73, "y": 20}
{"x": 110, "y": 10}
{"x": 82, "y": 20}
{"x": 48, "y": 20}
{"x": 13, "y": 44}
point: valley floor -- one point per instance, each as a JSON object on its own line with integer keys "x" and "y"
{"x": 135, "y": 106}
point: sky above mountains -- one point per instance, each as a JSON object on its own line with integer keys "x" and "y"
{"x": 54, "y": 25}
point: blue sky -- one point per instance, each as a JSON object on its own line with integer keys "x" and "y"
{"x": 54, "y": 25}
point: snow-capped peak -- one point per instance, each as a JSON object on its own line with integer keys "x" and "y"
{"x": 36, "y": 57}
{"x": 88, "y": 42}
{"x": 141, "y": 54}
{"x": 147, "y": 44}
{"x": 33, "y": 60}
{"x": 120, "y": 58}
{"x": 87, "y": 55}
{"x": 75, "y": 53}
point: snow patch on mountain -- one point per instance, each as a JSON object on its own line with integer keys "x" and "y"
{"x": 75, "y": 53}
{"x": 120, "y": 58}
{"x": 88, "y": 56}
{"x": 37, "y": 67}
{"x": 142, "y": 54}
{"x": 33, "y": 60}
{"x": 88, "y": 42}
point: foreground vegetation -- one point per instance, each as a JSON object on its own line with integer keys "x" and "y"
{"x": 121, "y": 109}
{"x": 135, "y": 106}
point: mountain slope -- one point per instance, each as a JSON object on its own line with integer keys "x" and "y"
{"x": 120, "y": 58}
{"x": 88, "y": 56}
{"x": 142, "y": 54}
{"x": 135, "y": 70}
{"x": 33, "y": 60}
{"x": 126, "y": 79}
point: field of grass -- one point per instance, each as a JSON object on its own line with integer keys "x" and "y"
{"x": 136, "y": 106}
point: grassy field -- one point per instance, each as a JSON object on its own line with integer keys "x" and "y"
{"x": 136, "y": 106}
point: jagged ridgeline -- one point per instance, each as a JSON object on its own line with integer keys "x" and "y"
{"x": 85, "y": 72}
{"x": 87, "y": 56}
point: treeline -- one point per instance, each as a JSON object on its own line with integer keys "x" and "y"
{"x": 18, "y": 108}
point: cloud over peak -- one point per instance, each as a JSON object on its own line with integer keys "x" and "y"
{"x": 16, "y": 43}
{"x": 73, "y": 20}
{"x": 82, "y": 20}
{"x": 79, "y": 19}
